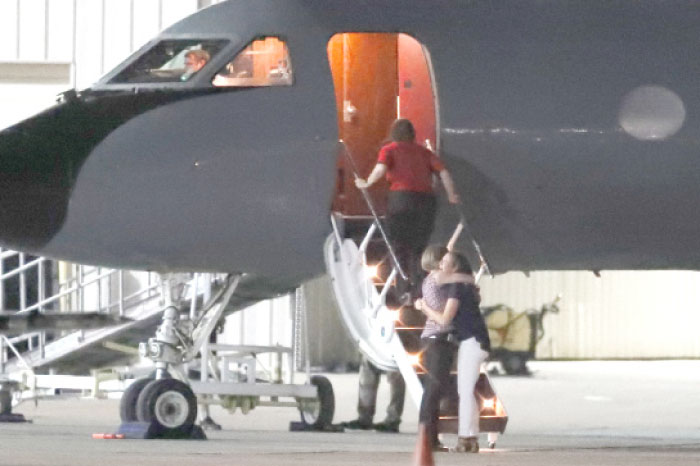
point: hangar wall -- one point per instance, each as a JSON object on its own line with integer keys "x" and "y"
{"x": 52, "y": 45}
{"x": 621, "y": 314}
{"x": 49, "y": 46}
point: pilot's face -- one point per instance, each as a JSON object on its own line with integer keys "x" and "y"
{"x": 193, "y": 64}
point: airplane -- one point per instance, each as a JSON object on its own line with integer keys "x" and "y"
{"x": 569, "y": 127}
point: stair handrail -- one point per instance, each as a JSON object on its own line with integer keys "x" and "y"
{"x": 483, "y": 264}
{"x": 370, "y": 204}
{"x": 7, "y": 343}
{"x": 464, "y": 226}
{"x": 106, "y": 288}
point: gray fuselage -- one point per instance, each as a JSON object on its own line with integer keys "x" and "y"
{"x": 570, "y": 127}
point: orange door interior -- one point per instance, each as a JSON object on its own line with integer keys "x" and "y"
{"x": 378, "y": 77}
{"x": 416, "y": 96}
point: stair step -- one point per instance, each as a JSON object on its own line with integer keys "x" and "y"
{"x": 410, "y": 317}
{"x": 410, "y": 338}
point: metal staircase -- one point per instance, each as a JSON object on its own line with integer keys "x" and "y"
{"x": 38, "y": 285}
{"x": 387, "y": 332}
{"x": 363, "y": 268}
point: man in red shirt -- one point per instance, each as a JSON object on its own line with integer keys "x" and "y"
{"x": 411, "y": 206}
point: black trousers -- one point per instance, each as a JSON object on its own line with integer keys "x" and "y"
{"x": 438, "y": 357}
{"x": 410, "y": 222}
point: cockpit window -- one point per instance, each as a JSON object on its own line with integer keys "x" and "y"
{"x": 264, "y": 62}
{"x": 173, "y": 60}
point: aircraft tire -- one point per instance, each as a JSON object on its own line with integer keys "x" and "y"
{"x": 127, "y": 405}
{"x": 169, "y": 405}
{"x": 322, "y": 413}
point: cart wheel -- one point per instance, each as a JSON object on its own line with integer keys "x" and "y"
{"x": 169, "y": 404}
{"x": 318, "y": 413}
{"x": 514, "y": 363}
{"x": 127, "y": 405}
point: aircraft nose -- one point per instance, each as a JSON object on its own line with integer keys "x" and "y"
{"x": 35, "y": 181}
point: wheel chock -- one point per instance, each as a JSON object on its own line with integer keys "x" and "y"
{"x": 13, "y": 417}
{"x": 150, "y": 430}
{"x": 108, "y": 436}
{"x": 296, "y": 426}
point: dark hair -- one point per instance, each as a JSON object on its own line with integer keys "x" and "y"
{"x": 402, "y": 131}
{"x": 461, "y": 262}
{"x": 430, "y": 260}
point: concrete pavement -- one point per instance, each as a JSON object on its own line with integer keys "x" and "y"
{"x": 577, "y": 413}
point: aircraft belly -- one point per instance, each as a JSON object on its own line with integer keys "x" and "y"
{"x": 573, "y": 204}
{"x": 573, "y": 144}
{"x": 211, "y": 183}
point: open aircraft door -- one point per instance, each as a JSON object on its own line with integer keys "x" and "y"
{"x": 378, "y": 77}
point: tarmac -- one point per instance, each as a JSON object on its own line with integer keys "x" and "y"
{"x": 574, "y": 413}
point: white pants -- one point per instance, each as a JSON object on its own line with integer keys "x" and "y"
{"x": 469, "y": 361}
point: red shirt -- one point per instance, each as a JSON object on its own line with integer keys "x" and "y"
{"x": 409, "y": 166}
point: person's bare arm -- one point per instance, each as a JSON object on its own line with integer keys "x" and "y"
{"x": 449, "y": 185}
{"x": 442, "y": 318}
{"x": 377, "y": 174}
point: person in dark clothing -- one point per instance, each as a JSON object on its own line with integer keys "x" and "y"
{"x": 411, "y": 204}
{"x": 437, "y": 355}
{"x": 469, "y": 328}
{"x": 367, "y": 399}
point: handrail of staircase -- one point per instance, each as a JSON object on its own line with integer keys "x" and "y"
{"x": 65, "y": 292}
{"x": 384, "y": 292}
{"x": 370, "y": 204}
{"x": 23, "y": 268}
{"x": 6, "y": 341}
{"x": 73, "y": 288}
{"x": 368, "y": 236}
{"x": 7, "y": 253}
{"x": 483, "y": 263}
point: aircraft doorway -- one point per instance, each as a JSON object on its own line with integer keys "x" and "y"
{"x": 378, "y": 77}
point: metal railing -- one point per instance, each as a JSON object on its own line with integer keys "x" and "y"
{"x": 37, "y": 284}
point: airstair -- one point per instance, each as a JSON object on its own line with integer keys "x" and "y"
{"x": 363, "y": 272}
{"x": 364, "y": 269}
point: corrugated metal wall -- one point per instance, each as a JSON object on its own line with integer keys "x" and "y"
{"x": 619, "y": 315}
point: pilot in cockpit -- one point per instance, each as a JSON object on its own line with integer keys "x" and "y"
{"x": 194, "y": 61}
